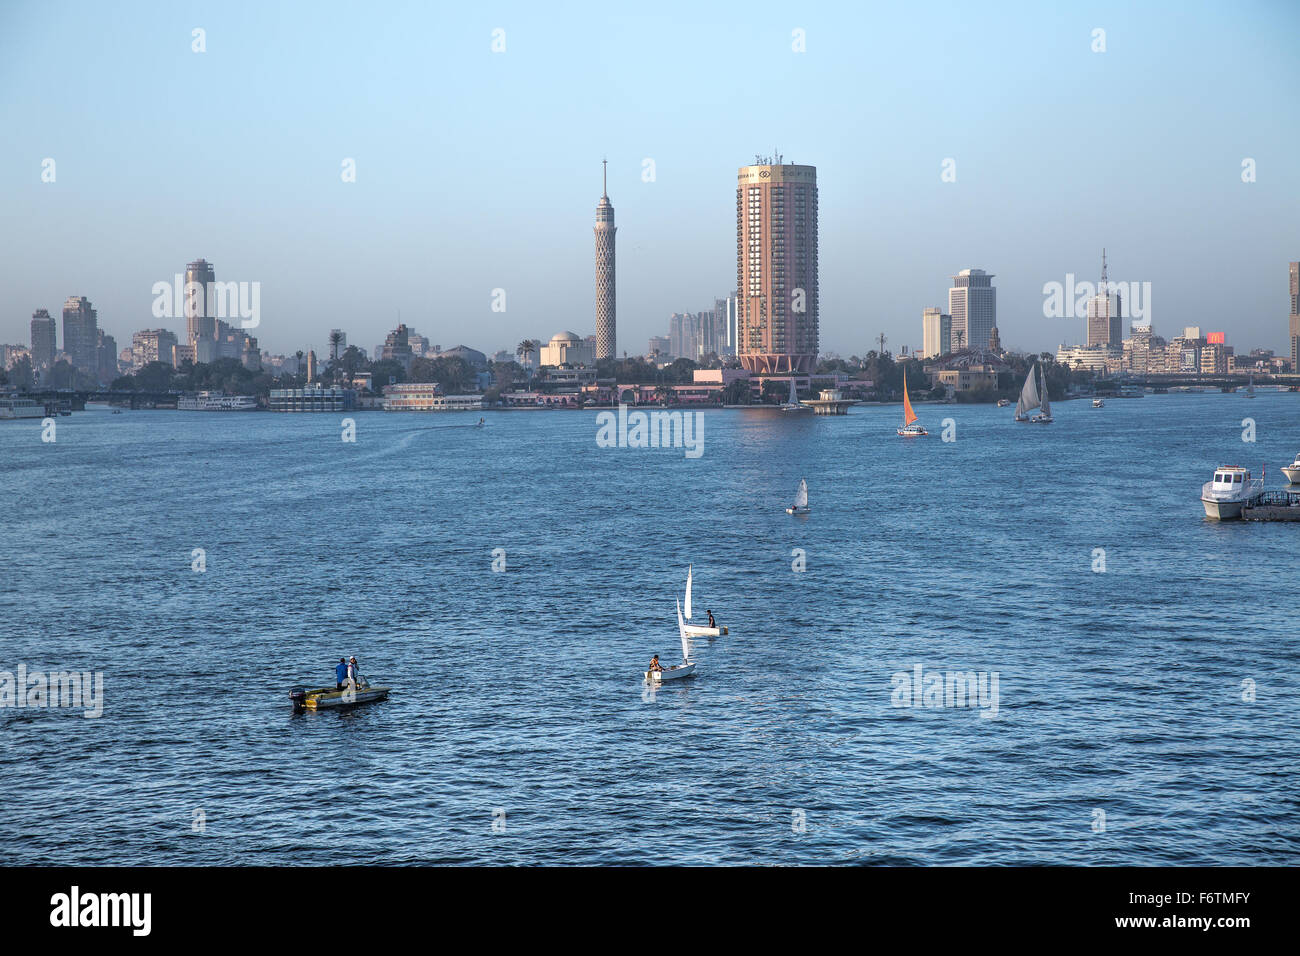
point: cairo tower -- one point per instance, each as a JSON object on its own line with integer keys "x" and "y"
{"x": 606, "y": 346}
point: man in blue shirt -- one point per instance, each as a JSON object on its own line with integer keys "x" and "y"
{"x": 340, "y": 674}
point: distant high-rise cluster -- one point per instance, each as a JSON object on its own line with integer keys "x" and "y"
{"x": 606, "y": 337}
{"x": 694, "y": 335}
{"x": 936, "y": 333}
{"x": 209, "y": 337}
{"x": 776, "y": 266}
{"x": 44, "y": 339}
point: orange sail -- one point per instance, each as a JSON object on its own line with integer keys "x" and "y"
{"x": 909, "y": 416}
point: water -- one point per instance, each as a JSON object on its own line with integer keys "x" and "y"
{"x": 521, "y": 691}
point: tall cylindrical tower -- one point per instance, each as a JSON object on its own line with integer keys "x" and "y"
{"x": 606, "y": 344}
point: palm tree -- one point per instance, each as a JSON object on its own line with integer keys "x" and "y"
{"x": 960, "y": 335}
{"x": 336, "y": 338}
{"x": 526, "y": 348}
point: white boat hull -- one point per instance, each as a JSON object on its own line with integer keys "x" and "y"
{"x": 699, "y": 630}
{"x": 1222, "y": 510}
{"x": 797, "y": 511}
{"x": 1292, "y": 474}
{"x": 672, "y": 673}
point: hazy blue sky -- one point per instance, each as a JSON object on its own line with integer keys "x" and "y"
{"x": 478, "y": 170}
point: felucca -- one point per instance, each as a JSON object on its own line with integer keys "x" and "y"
{"x": 910, "y": 429}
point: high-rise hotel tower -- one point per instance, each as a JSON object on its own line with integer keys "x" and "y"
{"x": 776, "y": 267}
{"x": 606, "y": 339}
{"x": 1293, "y": 322}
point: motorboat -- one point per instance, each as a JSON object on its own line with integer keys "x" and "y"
{"x": 1292, "y": 471}
{"x": 1004, "y": 402}
{"x": 1229, "y": 491}
{"x": 686, "y": 668}
{"x": 697, "y": 630}
{"x": 911, "y": 427}
{"x": 800, "y": 506}
{"x": 328, "y": 698}
{"x": 1098, "y": 403}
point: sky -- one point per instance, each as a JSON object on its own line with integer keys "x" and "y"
{"x": 479, "y": 170}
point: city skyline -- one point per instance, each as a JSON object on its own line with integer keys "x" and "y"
{"x": 332, "y": 253}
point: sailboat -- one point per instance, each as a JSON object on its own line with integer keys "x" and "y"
{"x": 800, "y": 506}
{"x": 792, "y": 403}
{"x": 910, "y": 427}
{"x": 1045, "y": 416}
{"x": 1250, "y": 389}
{"x": 698, "y": 630}
{"x": 1030, "y": 399}
{"x": 687, "y": 667}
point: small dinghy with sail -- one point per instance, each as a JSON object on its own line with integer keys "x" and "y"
{"x": 792, "y": 403}
{"x": 911, "y": 427}
{"x": 698, "y": 630}
{"x": 686, "y": 668}
{"x": 800, "y": 506}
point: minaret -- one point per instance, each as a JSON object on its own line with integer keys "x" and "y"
{"x": 606, "y": 346}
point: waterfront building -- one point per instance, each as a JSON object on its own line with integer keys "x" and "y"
{"x": 312, "y": 398}
{"x": 105, "y": 357}
{"x": 44, "y": 339}
{"x": 397, "y": 347}
{"x": 660, "y": 348}
{"x": 973, "y": 306}
{"x": 566, "y": 348}
{"x": 473, "y": 357}
{"x": 936, "y": 333}
{"x": 1092, "y": 357}
{"x": 81, "y": 334}
{"x": 1215, "y": 358}
{"x": 182, "y": 354}
{"x": 152, "y": 345}
{"x": 606, "y": 325}
{"x": 776, "y": 266}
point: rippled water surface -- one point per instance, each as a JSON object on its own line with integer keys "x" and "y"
{"x": 520, "y": 692}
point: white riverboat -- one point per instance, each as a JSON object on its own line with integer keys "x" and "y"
{"x": 1229, "y": 491}
{"x": 11, "y": 407}
{"x": 216, "y": 402}
{"x": 1292, "y": 471}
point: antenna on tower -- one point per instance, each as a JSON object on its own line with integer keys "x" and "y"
{"x": 1104, "y": 287}
{"x": 882, "y": 340}
{"x": 604, "y": 178}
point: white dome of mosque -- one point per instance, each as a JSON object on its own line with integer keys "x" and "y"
{"x": 565, "y": 338}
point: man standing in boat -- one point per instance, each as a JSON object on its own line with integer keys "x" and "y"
{"x": 340, "y": 674}
{"x": 354, "y": 673}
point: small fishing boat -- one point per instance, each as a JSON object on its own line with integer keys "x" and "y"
{"x": 1098, "y": 403}
{"x": 911, "y": 428}
{"x": 1292, "y": 471}
{"x": 686, "y": 668}
{"x": 327, "y": 698}
{"x": 1003, "y": 402}
{"x": 698, "y": 630}
{"x": 800, "y": 506}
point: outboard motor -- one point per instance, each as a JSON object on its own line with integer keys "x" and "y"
{"x": 299, "y": 697}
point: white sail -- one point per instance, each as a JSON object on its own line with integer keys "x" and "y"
{"x": 681, "y": 630}
{"x": 1047, "y": 407}
{"x": 1250, "y": 389}
{"x": 794, "y": 400}
{"x": 801, "y": 496}
{"x": 688, "y": 592}
{"x": 1028, "y": 400}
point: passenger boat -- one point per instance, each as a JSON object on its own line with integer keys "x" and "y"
{"x": 800, "y": 506}
{"x": 911, "y": 427}
{"x": 1229, "y": 491}
{"x": 326, "y": 698}
{"x": 1292, "y": 471}
{"x": 698, "y": 630}
{"x": 686, "y": 668}
{"x": 11, "y": 407}
{"x": 217, "y": 402}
